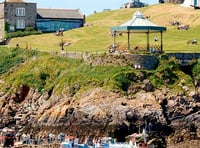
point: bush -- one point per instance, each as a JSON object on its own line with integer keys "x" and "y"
{"x": 44, "y": 76}
{"x": 22, "y": 33}
{"x": 196, "y": 71}
{"x": 124, "y": 79}
{"x": 6, "y": 27}
{"x": 165, "y": 74}
{"x": 29, "y": 29}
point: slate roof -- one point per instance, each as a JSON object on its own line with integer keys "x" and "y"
{"x": 60, "y": 13}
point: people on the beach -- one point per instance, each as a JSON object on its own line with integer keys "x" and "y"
{"x": 25, "y": 138}
{"x": 9, "y": 139}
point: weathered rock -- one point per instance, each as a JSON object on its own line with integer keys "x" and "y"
{"x": 137, "y": 61}
{"x": 103, "y": 112}
{"x": 148, "y": 86}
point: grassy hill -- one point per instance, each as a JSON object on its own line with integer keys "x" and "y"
{"x": 95, "y": 36}
{"x": 46, "y": 72}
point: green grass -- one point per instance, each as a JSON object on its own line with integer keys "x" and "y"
{"x": 96, "y": 36}
{"x": 176, "y": 40}
{"x": 11, "y": 58}
{"x": 43, "y": 72}
{"x": 46, "y": 72}
{"x": 196, "y": 71}
{"x": 169, "y": 74}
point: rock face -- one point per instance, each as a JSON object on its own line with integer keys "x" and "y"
{"x": 137, "y": 61}
{"x": 100, "y": 112}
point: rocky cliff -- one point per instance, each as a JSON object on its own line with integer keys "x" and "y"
{"x": 98, "y": 112}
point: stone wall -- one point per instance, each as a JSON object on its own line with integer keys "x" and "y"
{"x": 73, "y": 55}
{"x": 137, "y": 61}
{"x": 185, "y": 58}
{"x": 2, "y": 20}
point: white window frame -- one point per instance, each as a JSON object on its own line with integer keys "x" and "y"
{"x": 20, "y": 11}
{"x": 20, "y": 24}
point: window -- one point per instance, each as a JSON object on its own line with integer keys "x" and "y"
{"x": 20, "y": 11}
{"x": 12, "y": 28}
{"x": 20, "y": 24}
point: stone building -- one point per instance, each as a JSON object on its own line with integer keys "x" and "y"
{"x": 134, "y": 4}
{"x": 16, "y": 15}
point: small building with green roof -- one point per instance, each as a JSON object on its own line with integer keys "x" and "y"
{"x": 139, "y": 24}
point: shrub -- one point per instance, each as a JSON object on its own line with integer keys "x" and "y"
{"x": 30, "y": 29}
{"x": 43, "y": 76}
{"x": 124, "y": 79}
{"x": 6, "y": 27}
{"x": 165, "y": 74}
{"x": 196, "y": 71}
{"x": 21, "y": 33}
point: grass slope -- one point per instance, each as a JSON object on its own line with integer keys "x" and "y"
{"x": 96, "y": 36}
{"x": 43, "y": 71}
{"x": 46, "y": 73}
